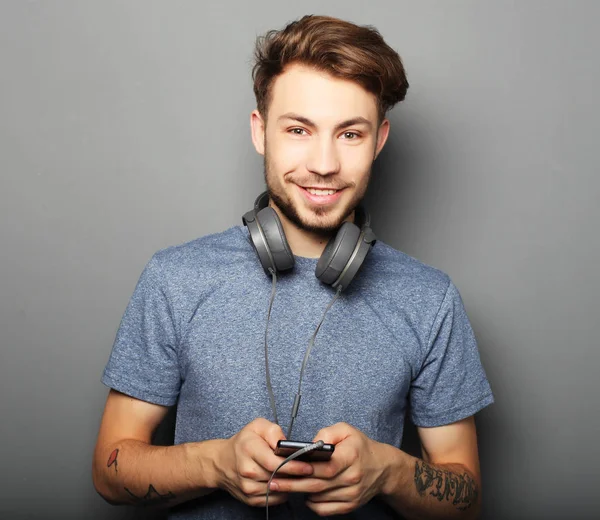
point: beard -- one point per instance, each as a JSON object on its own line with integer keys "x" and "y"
{"x": 322, "y": 228}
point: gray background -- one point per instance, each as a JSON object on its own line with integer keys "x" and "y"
{"x": 124, "y": 129}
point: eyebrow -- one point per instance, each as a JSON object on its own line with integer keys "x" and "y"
{"x": 344, "y": 124}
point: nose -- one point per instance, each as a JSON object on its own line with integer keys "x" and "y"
{"x": 323, "y": 157}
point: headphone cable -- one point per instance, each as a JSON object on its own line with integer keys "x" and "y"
{"x": 305, "y": 360}
{"x": 311, "y": 343}
{"x": 298, "y": 396}
{"x": 267, "y": 372}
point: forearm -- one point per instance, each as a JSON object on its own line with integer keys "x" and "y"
{"x": 422, "y": 491}
{"x": 133, "y": 472}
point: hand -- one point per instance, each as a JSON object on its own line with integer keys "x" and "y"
{"x": 246, "y": 460}
{"x": 354, "y": 475}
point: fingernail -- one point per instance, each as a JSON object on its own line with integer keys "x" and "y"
{"x": 307, "y": 470}
{"x": 274, "y": 486}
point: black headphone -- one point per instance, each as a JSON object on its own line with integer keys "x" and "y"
{"x": 341, "y": 259}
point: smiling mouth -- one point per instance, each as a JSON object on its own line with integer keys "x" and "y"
{"x": 321, "y": 196}
{"x": 321, "y": 191}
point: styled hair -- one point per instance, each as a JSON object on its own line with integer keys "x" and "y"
{"x": 337, "y": 47}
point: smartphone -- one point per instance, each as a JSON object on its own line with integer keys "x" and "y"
{"x": 286, "y": 448}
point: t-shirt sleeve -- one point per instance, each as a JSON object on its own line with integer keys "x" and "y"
{"x": 143, "y": 362}
{"x": 451, "y": 384}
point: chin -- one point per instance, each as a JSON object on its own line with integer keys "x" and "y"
{"x": 321, "y": 221}
{"x": 333, "y": 216}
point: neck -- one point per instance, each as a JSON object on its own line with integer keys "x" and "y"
{"x": 302, "y": 242}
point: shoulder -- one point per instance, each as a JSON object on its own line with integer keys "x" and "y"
{"x": 189, "y": 273}
{"x": 395, "y": 271}
{"x": 203, "y": 255}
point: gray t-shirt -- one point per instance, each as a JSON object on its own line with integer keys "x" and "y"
{"x": 397, "y": 339}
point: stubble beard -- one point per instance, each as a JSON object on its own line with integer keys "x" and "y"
{"x": 286, "y": 207}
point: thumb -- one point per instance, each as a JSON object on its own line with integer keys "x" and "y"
{"x": 269, "y": 431}
{"x": 334, "y": 434}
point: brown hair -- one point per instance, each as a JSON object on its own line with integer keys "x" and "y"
{"x": 340, "y": 48}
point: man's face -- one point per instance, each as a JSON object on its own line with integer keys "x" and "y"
{"x": 321, "y": 134}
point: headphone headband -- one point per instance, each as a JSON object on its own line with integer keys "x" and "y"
{"x": 341, "y": 259}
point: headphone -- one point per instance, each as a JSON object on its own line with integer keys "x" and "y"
{"x": 338, "y": 264}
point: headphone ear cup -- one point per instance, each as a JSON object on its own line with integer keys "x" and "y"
{"x": 275, "y": 238}
{"x": 337, "y": 253}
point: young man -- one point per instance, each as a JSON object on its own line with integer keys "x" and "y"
{"x": 397, "y": 335}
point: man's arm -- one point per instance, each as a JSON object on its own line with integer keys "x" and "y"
{"x": 127, "y": 469}
{"x": 446, "y": 483}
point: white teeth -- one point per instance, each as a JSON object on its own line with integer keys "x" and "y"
{"x": 312, "y": 191}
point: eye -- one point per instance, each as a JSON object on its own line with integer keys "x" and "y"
{"x": 351, "y": 135}
{"x": 297, "y": 131}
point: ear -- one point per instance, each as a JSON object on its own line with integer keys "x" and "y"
{"x": 257, "y": 126}
{"x": 382, "y": 135}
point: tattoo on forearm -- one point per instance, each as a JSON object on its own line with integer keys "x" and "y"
{"x": 112, "y": 460}
{"x": 152, "y": 497}
{"x": 445, "y": 485}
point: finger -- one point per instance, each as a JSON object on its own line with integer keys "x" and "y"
{"x": 269, "y": 462}
{"x": 261, "y": 500}
{"x": 345, "y": 455}
{"x": 276, "y": 499}
{"x": 250, "y": 470}
{"x": 334, "y": 434}
{"x": 255, "y": 491}
{"x": 330, "y": 469}
{"x": 331, "y": 508}
{"x": 302, "y": 485}
{"x": 259, "y": 454}
{"x": 338, "y": 494}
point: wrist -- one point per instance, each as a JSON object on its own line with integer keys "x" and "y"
{"x": 395, "y": 463}
{"x": 205, "y": 458}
